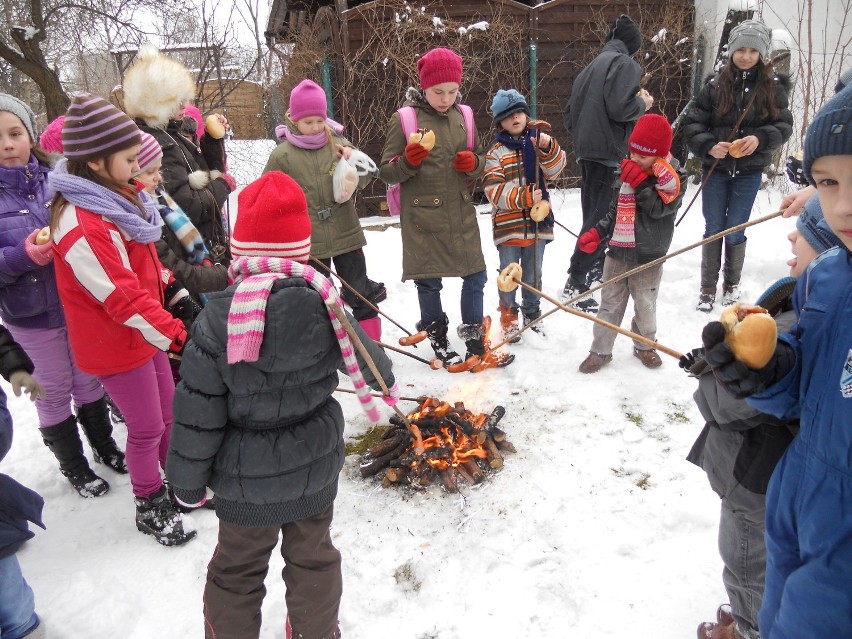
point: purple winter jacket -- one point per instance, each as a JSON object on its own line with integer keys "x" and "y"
{"x": 28, "y": 295}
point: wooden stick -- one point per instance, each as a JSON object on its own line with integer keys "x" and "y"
{"x": 361, "y": 297}
{"x": 352, "y": 392}
{"x": 356, "y": 341}
{"x": 597, "y": 320}
{"x": 434, "y": 364}
{"x": 638, "y": 269}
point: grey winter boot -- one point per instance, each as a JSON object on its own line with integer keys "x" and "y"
{"x": 63, "y": 440}
{"x": 437, "y": 332}
{"x": 158, "y": 516}
{"x": 711, "y": 262}
{"x": 96, "y": 424}
{"x": 734, "y": 259}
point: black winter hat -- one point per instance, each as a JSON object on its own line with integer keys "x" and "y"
{"x": 625, "y": 29}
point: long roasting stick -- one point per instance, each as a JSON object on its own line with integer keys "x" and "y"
{"x": 597, "y": 320}
{"x": 638, "y": 269}
{"x": 352, "y": 392}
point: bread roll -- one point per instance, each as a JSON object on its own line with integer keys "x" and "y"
{"x": 736, "y": 148}
{"x": 423, "y": 137}
{"x": 43, "y": 236}
{"x": 214, "y": 127}
{"x": 751, "y": 334}
{"x": 540, "y": 210}
{"x": 509, "y": 277}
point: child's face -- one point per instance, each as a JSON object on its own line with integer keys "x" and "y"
{"x": 803, "y": 253}
{"x": 833, "y": 177}
{"x": 150, "y": 178}
{"x": 645, "y": 162}
{"x": 15, "y": 144}
{"x": 515, "y": 123}
{"x": 745, "y": 58}
{"x": 310, "y": 125}
{"x": 118, "y": 167}
{"x": 442, "y": 96}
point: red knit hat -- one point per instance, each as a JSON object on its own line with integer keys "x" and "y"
{"x": 307, "y": 99}
{"x": 438, "y": 66}
{"x": 51, "y": 138}
{"x": 272, "y": 219}
{"x": 651, "y": 136}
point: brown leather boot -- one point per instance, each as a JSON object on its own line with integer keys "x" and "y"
{"x": 594, "y": 362}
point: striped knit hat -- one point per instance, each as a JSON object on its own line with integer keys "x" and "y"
{"x": 95, "y": 129}
{"x": 149, "y": 152}
{"x": 272, "y": 219}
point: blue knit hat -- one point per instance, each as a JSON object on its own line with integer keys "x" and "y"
{"x": 830, "y": 132}
{"x": 808, "y": 224}
{"x": 506, "y": 102}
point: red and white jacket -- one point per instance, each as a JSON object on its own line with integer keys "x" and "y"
{"x": 112, "y": 292}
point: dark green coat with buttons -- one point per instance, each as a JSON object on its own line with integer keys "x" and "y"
{"x": 440, "y": 234}
{"x": 335, "y": 228}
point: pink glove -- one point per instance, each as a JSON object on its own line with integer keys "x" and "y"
{"x": 41, "y": 254}
{"x": 393, "y": 395}
{"x": 589, "y": 241}
{"x": 230, "y": 181}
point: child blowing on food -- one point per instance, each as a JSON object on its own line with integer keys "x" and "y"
{"x": 516, "y": 169}
{"x": 640, "y": 227}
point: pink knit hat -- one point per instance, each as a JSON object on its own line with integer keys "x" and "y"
{"x": 149, "y": 152}
{"x": 307, "y": 99}
{"x": 438, "y": 66}
{"x": 51, "y": 139}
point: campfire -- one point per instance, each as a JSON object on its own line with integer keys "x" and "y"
{"x": 458, "y": 444}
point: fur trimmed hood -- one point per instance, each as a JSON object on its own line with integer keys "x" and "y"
{"x": 155, "y": 85}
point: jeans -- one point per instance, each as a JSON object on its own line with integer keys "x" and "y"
{"x": 17, "y": 603}
{"x": 429, "y": 296}
{"x": 726, "y": 201}
{"x": 595, "y": 198}
{"x": 58, "y": 373}
{"x": 312, "y": 575}
{"x": 144, "y": 396}
{"x": 530, "y": 260}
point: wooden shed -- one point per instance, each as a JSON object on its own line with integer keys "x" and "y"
{"x": 364, "y": 54}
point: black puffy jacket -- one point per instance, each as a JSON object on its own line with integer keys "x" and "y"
{"x": 265, "y": 436}
{"x": 702, "y": 128}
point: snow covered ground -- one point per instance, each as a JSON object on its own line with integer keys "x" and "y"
{"x": 597, "y": 527}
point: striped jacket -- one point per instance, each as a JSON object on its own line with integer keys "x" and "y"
{"x": 505, "y": 186}
{"x": 112, "y": 292}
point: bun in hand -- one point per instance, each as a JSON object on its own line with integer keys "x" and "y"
{"x": 423, "y": 137}
{"x": 43, "y": 236}
{"x": 214, "y": 127}
{"x": 751, "y": 334}
{"x": 736, "y": 148}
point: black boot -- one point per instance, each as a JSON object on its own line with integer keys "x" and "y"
{"x": 158, "y": 516}
{"x": 711, "y": 262}
{"x": 115, "y": 415}
{"x": 476, "y": 339}
{"x": 94, "y": 418}
{"x": 64, "y": 442}
{"x": 732, "y": 271}
{"x": 437, "y": 332}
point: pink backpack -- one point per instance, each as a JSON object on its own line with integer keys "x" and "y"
{"x": 408, "y": 119}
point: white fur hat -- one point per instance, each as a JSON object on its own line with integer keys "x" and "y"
{"x": 155, "y": 85}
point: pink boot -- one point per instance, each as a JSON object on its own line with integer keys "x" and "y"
{"x": 372, "y": 327}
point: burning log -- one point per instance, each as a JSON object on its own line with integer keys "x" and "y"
{"x": 506, "y": 446}
{"x": 458, "y": 444}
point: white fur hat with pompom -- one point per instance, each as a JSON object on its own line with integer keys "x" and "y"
{"x": 155, "y": 86}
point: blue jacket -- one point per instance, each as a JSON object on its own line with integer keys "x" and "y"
{"x": 28, "y": 295}
{"x": 809, "y": 501}
{"x": 18, "y": 504}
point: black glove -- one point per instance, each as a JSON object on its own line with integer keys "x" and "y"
{"x": 179, "y": 303}
{"x": 795, "y": 172}
{"x": 693, "y": 361}
{"x": 735, "y": 377}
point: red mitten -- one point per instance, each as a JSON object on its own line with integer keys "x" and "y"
{"x": 589, "y": 241}
{"x": 40, "y": 254}
{"x": 632, "y": 173}
{"x": 464, "y": 162}
{"x": 415, "y": 153}
{"x": 177, "y": 346}
{"x": 230, "y": 181}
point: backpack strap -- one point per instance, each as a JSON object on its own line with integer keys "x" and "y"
{"x": 408, "y": 120}
{"x": 469, "y": 125}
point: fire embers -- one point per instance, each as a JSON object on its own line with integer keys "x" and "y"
{"x": 458, "y": 444}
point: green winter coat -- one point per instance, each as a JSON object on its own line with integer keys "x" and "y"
{"x": 340, "y": 232}
{"x": 440, "y": 234}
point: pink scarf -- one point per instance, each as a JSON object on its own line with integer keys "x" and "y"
{"x": 311, "y": 142}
